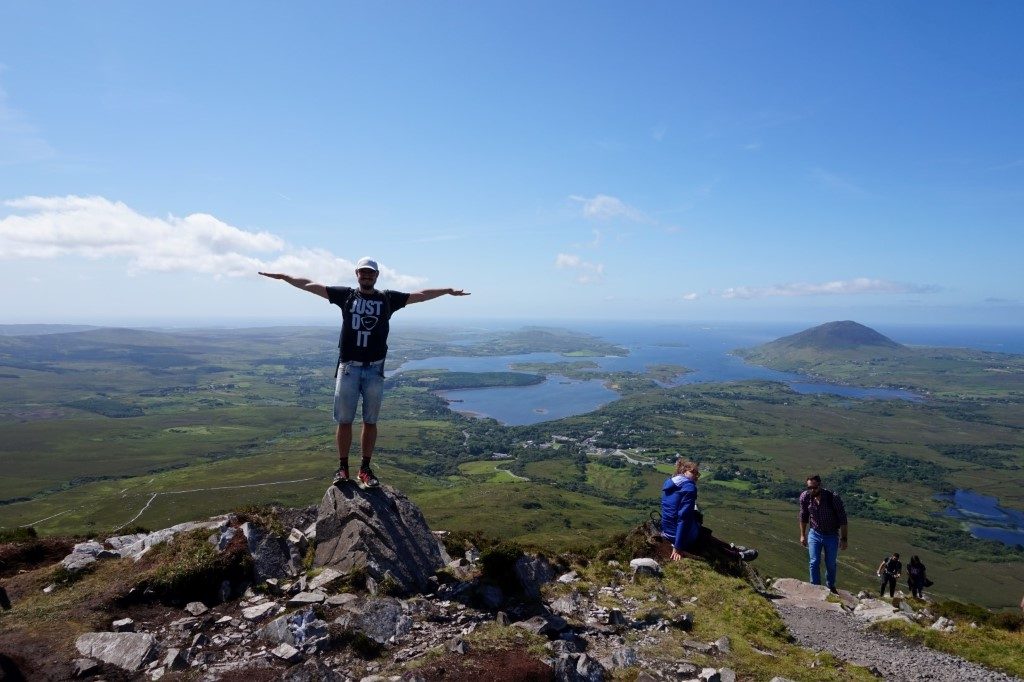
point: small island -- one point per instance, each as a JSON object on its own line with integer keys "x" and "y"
{"x": 851, "y": 353}
{"x": 445, "y": 380}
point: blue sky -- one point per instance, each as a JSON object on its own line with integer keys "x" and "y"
{"x": 804, "y": 161}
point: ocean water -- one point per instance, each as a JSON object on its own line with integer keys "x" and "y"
{"x": 702, "y": 348}
{"x": 706, "y": 350}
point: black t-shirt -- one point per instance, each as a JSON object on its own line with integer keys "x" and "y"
{"x": 364, "y": 326}
{"x": 893, "y": 566}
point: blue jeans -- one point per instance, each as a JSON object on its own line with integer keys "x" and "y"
{"x": 354, "y": 381}
{"x": 816, "y": 543}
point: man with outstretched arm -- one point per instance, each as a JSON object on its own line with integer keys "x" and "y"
{"x": 365, "y": 313}
{"x": 824, "y": 512}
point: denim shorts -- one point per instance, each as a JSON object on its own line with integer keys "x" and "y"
{"x": 354, "y": 381}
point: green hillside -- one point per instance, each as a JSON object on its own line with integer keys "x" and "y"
{"x": 850, "y": 353}
{"x": 248, "y": 422}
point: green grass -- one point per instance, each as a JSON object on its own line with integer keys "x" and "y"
{"x": 256, "y": 428}
{"x": 989, "y": 646}
{"x": 487, "y": 471}
{"x": 723, "y": 606}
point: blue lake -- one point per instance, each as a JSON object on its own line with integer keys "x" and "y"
{"x": 985, "y": 518}
{"x": 703, "y": 349}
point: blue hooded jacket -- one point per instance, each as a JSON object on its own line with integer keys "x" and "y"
{"x": 678, "y": 502}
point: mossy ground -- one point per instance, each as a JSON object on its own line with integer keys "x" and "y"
{"x": 721, "y": 605}
{"x": 990, "y": 646}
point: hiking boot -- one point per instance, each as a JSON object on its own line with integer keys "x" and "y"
{"x": 341, "y": 475}
{"x": 367, "y": 479}
{"x": 748, "y": 554}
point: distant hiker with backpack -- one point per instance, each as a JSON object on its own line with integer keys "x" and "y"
{"x": 823, "y": 511}
{"x": 365, "y": 313}
{"x": 917, "y": 577}
{"x": 889, "y": 570}
{"x": 682, "y": 523}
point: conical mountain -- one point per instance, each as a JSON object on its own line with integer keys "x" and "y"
{"x": 835, "y": 336}
{"x": 845, "y": 341}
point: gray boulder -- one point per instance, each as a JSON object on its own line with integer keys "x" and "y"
{"x": 533, "y": 572}
{"x": 645, "y": 566}
{"x": 269, "y": 553}
{"x": 127, "y": 650}
{"x": 624, "y": 657}
{"x": 84, "y": 667}
{"x": 323, "y": 579}
{"x": 571, "y": 605}
{"x": 137, "y": 548}
{"x": 287, "y": 653}
{"x": 381, "y": 619}
{"x": 277, "y": 631}
{"x": 578, "y": 668}
{"x": 297, "y": 545}
{"x": 123, "y": 625}
{"x": 380, "y": 531}
{"x": 76, "y": 562}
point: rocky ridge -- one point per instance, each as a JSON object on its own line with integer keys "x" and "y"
{"x": 361, "y": 589}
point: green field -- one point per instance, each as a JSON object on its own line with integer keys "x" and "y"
{"x": 101, "y": 430}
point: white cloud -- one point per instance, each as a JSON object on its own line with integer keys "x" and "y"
{"x": 97, "y": 228}
{"x": 586, "y": 272}
{"x": 604, "y": 207}
{"x": 690, "y": 296}
{"x": 860, "y": 285}
{"x": 595, "y": 243}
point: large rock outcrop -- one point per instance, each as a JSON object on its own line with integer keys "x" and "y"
{"x": 127, "y": 650}
{"x": 379, "y": 531}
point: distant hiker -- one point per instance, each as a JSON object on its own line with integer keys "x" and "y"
{"x": 917, "y": 579}
{"x": 365, "y": 313}
{"x": 889, "y": 570}
{"x": 682, "y": 522}
{"x": 823, "y": 510}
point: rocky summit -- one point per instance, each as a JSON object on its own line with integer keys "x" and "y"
{"x": 380, "y": 532}
{"x": 361, "y": 589}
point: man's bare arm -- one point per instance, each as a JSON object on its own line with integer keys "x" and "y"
{"x": 803, "y": 532}
{"x": 299, "y": 283}
{"x": 429, "y": 294}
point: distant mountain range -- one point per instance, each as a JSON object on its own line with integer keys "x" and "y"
{"x": 37, "y": 329}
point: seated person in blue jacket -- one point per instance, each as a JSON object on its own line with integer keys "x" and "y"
{"x": 682, "y": 521}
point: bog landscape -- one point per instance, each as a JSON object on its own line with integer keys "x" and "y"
{"x": 529, "y": 443}
{"x": 106, "y": 429}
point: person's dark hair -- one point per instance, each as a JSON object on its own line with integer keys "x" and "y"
{"x": 895, "y": 555}
{"x": 814, "y": 477}
{"x": 914, "y": 560}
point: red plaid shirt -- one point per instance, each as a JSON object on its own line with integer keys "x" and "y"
{"x": 827, "y": 515}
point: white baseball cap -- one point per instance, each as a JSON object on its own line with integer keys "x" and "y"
{"x": 365, "y": 263}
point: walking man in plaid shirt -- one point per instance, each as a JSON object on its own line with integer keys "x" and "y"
{"x": 823, "y": 510}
